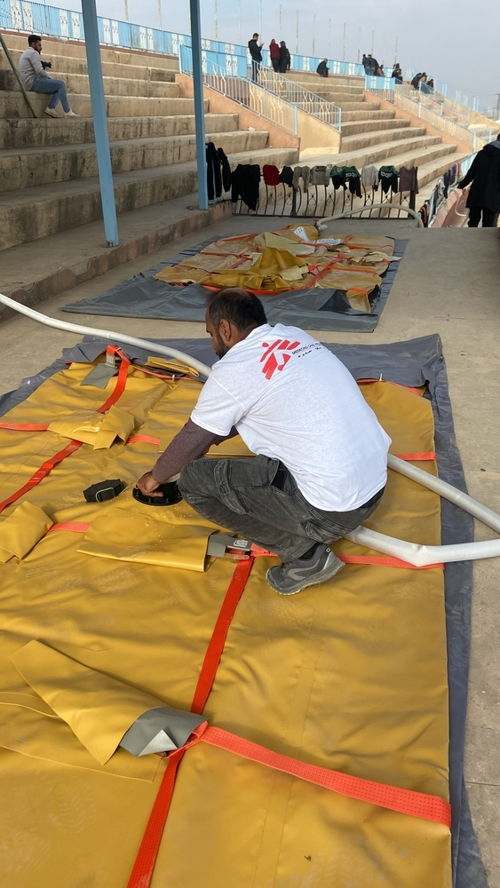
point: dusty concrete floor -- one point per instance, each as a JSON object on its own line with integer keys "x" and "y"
{"x": 449, "y": 283}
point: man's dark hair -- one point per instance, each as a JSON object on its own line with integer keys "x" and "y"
{"x": 33, "y": 38}
{"x": 240, "y": 307}
{"x": 254, "y": 37}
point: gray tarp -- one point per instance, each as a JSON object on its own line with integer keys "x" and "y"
{"x": 316, "y": 309}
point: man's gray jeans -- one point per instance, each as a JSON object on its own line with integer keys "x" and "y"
{"x": 258, "y": 497}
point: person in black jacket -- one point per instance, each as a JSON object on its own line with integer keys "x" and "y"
{"x": 484, "y": 196}
{"x": 254, "y": 48}
{"x": 284, "y": 58}
{"x": 323, "y": 68}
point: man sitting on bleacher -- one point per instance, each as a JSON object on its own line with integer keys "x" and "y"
{"x": 35, "y": 78}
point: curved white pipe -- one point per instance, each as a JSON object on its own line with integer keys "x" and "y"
{"x": 420, "y": 555}
{"x": 413, "y": 553}
{"x": 322, "y": 223}
{"x": 106, "y": 334}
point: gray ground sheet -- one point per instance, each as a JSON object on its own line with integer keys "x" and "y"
{"x": 414, "y": 362}
{"x": 142, "y": 296}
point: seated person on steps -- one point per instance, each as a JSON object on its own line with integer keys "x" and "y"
{"x": 320, "y": 464}
{"x": 35, "y": 78}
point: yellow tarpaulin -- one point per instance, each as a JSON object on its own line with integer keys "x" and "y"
{"x": 350, "y": 675}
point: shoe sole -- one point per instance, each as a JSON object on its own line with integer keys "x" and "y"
{"x": 312, "y": 581}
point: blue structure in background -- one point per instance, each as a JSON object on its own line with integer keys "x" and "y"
{"x": 100, "y": 123}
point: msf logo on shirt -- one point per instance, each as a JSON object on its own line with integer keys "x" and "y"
{"x": 276, "y": 355}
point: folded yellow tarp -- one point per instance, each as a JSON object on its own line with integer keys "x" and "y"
{"x": 350, "y": 675}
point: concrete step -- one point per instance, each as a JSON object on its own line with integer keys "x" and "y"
{"x": 12, "y": 104}
{"x": 351, "y": 128}
{"x": 53, "y": 46}
{"x": 113, "y": 86}
{"x": 366, "y": 114}
{"x": 41, "y": 166}
{"x": 27, "y": 215}
{"x": 31, "y": 272}
{"x": 71, "y": 65}
{"x": 332, "y": 92}
{"x": 23, "y": 133}
{"x": 310, "y": 77}
{"x": 429, "y": 173}
{"x": 359, "y": 106}
{"x": 412, "y": 152}
{"x": 376, "y": 136}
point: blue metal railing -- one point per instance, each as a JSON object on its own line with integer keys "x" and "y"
{"x": 53, "y": 21}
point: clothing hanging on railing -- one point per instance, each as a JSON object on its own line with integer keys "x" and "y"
{"x": 225, "y": 169}
{"x": 214, "y": 179}
{"x": 245, "y": 184}
{"x": 388, "y": 178}
{"x": 271, "y": 174}
{"x": 286, "y": 176}
{"x": 408, "y": 179}
{"x": 369, "y": 177}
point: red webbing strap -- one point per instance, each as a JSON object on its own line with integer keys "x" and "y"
{"x": 73, "y": 526}
{"x": 148, "y": 851}
{"x": 24, "y": 426}
{"x": 216, "y": 644}
{"x": 121, "y": 379}
{"x": 417, "y": 457}
{"x": 404, "y": 801}
{"x": 70, "y": 448}
{"x": 142, "y": 439}
{"x": 384, "y": 560}
{"x": 41, "y": 473}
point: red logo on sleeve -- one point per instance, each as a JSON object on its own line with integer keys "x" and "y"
{"x": 277, "y": 355}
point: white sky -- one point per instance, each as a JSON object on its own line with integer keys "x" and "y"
{"x": 457, "y": 41}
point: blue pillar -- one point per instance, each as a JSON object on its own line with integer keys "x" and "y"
{"x": 100, "y": 122}
{"x": 199, "y": 114}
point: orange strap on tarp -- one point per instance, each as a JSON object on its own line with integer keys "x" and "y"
{"x": 417, "y": 457}
{"x": 73, "y": 526}
{"x": 73, "y": 445}
{"x": 24, "y": 426}
{"x": 404, "y": 801}
{"x": 142, "y": 870}
{"x": 142, "y": 439}
{"x": 216, "y": 644}
{"x": 383, "y": 561}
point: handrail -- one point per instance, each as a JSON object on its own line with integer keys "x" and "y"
{"x": 272, "y": 96}
{"x": 291, "y": 91}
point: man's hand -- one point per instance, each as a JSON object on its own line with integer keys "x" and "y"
{"x": 148, "y": 485}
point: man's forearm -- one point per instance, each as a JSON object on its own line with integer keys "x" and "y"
{"x": 190, "y": 443}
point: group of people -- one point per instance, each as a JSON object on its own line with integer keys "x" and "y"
{"x": 374, "y": 69}
{"x": 279, "y": 55}
{"x": 423, "y": 83}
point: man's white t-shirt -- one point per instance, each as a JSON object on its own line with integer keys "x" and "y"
{"x": 292, "y": 399}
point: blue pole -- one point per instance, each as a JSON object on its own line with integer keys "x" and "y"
{"x": 199, "y": 113}
{"x": 100, "y": 122}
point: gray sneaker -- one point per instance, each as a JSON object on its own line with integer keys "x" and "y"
{"x": 290, "y": 578}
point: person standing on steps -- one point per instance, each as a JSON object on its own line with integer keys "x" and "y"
{"x": 255, "y": 50}
{"x": 35, "y": 78}
{"x": 274, "y": 53}
{"x": 484, "y": 196}
{"x": 284, "y": 58}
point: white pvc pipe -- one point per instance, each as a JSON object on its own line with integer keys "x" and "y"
{"x": 105, "y": 334}
{"x": 413, "y": 553}
{"x": 322, "y": 223}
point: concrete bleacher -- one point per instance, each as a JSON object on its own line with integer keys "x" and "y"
{"x": 48, "y": 167}
{"x": 374, "y": 134}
